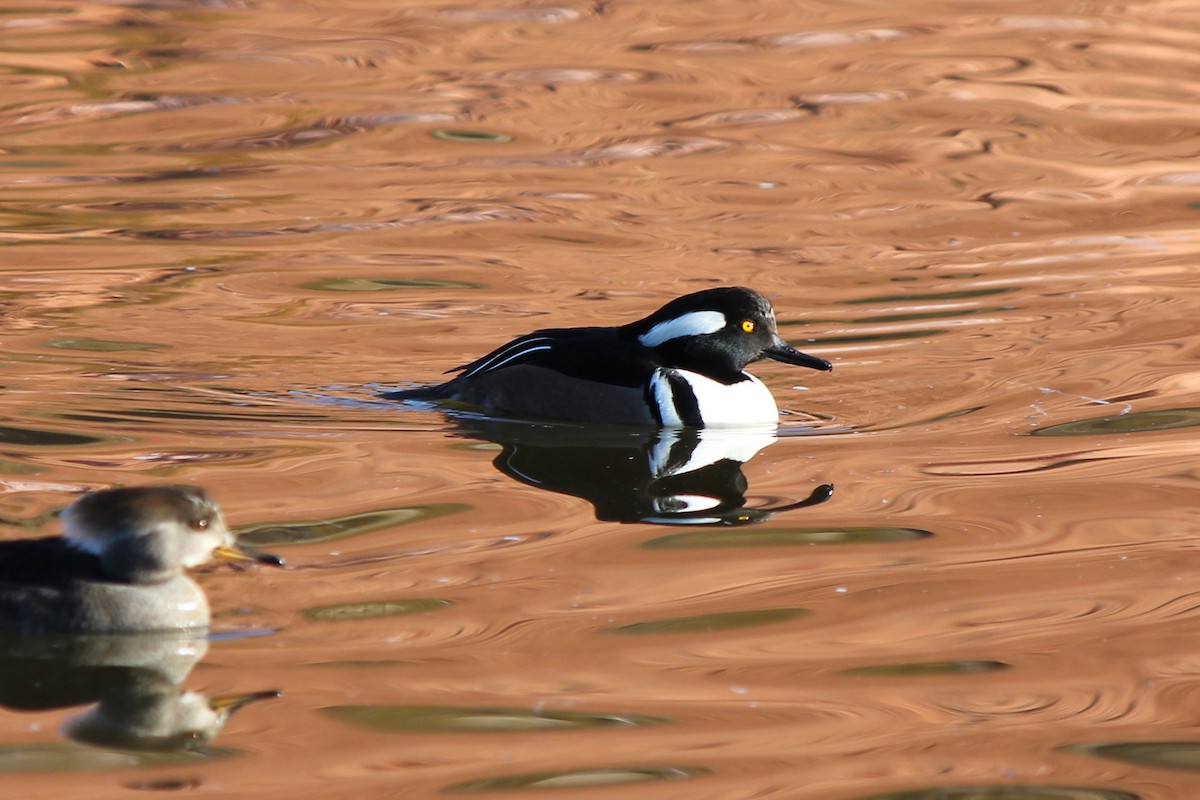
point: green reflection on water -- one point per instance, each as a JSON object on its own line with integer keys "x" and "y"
{"x": 384, "y": 284}
{"x": 1174, "y": 755}
{"x": 567, "y": 239}
{"x": 921, "y": 668}
{"x": 405, "y": 719}
{"x": 374, "y": 609}
{"x": 384, "y": 663}
{"x": 878, "y": 337}
{"x": 1137, "y": 422}
{"x": 786, "y": 537}
{"x": 460, "y": 135}
{"x": 1000, "y": 792}
{"x": 701, "y": 623}
{"x": 32, "y": 437}
{"x": 576, "y": 779}
{"x": 323, "y": 530}
{"x": 957, "y": 312}
{"x": 966, "y": 294}
{"x": 101, "y": 345}
{"x": 71, "y": 757}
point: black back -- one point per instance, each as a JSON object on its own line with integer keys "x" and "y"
{"x": 50, "y": 563}
{"x": 607, "y": 355}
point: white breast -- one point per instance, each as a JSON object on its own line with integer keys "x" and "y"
{"x": 746, "y": 402}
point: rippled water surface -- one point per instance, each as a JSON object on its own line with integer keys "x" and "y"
{"x": 964, "y": 568}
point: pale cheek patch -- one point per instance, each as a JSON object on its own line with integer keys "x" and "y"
{"x": 694, "y": 323}
{"x": 195, "y": 557}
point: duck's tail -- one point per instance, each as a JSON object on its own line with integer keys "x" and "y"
{"x": 434, "y": 391}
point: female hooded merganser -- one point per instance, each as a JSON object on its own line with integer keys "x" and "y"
{"x": 118, "y": 567}
{"x": 680, "y": 366}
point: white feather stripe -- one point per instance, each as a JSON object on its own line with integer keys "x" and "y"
{"x": 693, "y": 323}
{"x": 515, "y": 356}
{"x": 510, "y": 352}
{"x": 664, "y": 398}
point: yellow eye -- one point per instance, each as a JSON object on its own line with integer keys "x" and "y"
{"x": 748, "y": 325}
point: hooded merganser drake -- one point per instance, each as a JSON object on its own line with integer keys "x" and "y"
{"x": 119, "y": 565}
{"x": 681, "y": 366}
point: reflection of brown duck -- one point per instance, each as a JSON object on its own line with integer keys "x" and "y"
{"x": 146, "y": 712}
{"x": 132, "y": 685}
{"x": 119, "y": 565}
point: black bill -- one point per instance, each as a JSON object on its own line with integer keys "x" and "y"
{"x": 782, "y": 351}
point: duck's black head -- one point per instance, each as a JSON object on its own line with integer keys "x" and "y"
{"x": 716, "y": 333}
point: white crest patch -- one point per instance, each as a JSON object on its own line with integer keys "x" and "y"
{"x": 693, "y": 323}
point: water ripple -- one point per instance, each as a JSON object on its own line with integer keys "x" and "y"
{"x": 798, "y": 40}
{"x": 226, "y": 225}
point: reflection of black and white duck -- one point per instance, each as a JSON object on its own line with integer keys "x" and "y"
{"x": 119, "y": 565}
{"x": 681, "y": 366}
{"x": 667, "y": 476}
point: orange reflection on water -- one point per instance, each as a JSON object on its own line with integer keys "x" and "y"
{"x": 964, "y": 563}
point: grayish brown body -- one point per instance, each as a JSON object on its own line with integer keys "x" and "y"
{"x": 119, "y": 565}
